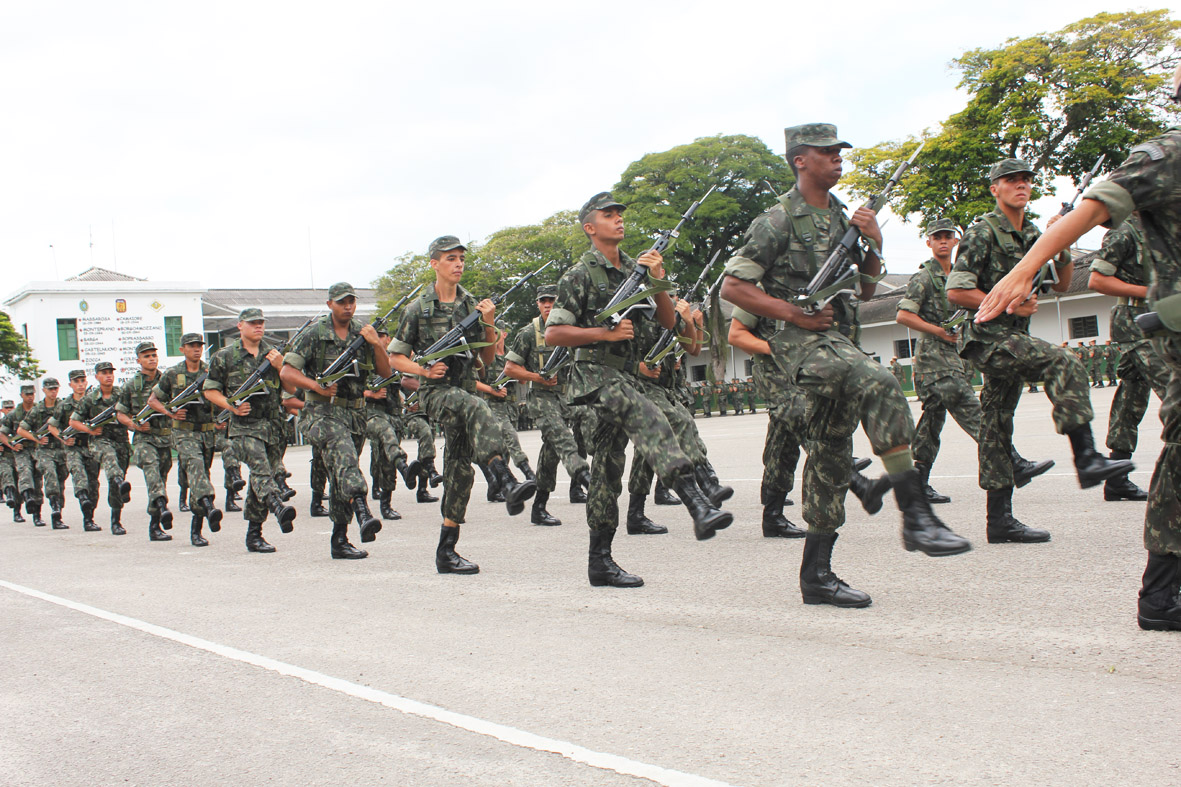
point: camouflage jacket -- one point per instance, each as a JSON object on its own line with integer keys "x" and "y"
{"x": 319, "y": 346}
{"x": 228, "y": 369}
{"x": 10, "y": 422}
{"x": 133, "y": 396}
{"x": 91, "y": 405}
{"x": 1125, "y": 256}
{"x": 174, "y": 380}
{"x": 390, "y": 405}
{"x": 530, "y": 350}
{"x": 771, "y": 383}
{"x": 926, "y": 296}
{"x": 42, "y": 414}
{"x": 426, "y": 320}
{"x": 492, "y": 374}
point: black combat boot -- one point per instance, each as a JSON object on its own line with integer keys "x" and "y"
{"x": 254, "y": 540}
{"x": 409, "y": 477}
{"x": 1003, "y": 527}
{"x": 1160, "y": 604}
{"x": 775, "y": 524}
{"x": 154, "y": 531}
{"x": 116, "y": 525}
{"x": 638, "y": 524}
{"x": 1024, "y": 470}
{"x": 526, "y": 470}
{"x": 601, "y": 568}
{"x": 861, "y": 464}
{"x": 925, "y": 478}
{"x": 578, "y": 486}
{"x": 433, "y": 474}
{"x": 284, "y": 514}
{"x": 15, "y": 504}
{"x": 1120, "y": 487}
{"x": 447, "y": 560}
{"x": 285, "y": 491}
{"x": 708, "y": 483}
{"x": 539, "y": 516}
{"x": 161, "y": 507}
{"x": 515, "y": 492}
{"x": 341, "y": 548}
{"x": 232, "y": 500}
{"x": 87, "y": 505}
{"x": 494, "y": 495}
{"x": 317, "y": 508}
{"x": 1091, "y": 466}
{"x": 818, "y": 584}
{"x": 663, "y": 496}
{"x": 55, "y": 513}
{"x": 368, "y": 524}
{"x": 233, "y": 479}
{"x": 870, "y": 493}
{"x": 124, "y": 487}
{"x": 375, "y": 490}
{"x": 195, "y": 537}
{"x": 423, "y": 495}
{"x": 33, "y": 508}
{"x": 921, "y": 529}
{"x": 707, "y": 520}
{"x": 182, "y": 501}
{"x": 210, "y": 511}
{"x": 386, "y": 509}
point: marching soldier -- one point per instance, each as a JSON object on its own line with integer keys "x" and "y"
{"x": 896, "y": 370}
{"x": 8, "y": 467}
{"x": 502, "y": 403}
{"x": 28, "y": 475}
{"x": 416, "y": 426}
{"x": 231, "y": 467}
{"x": 81, "y": 463}
{"x": 107, "y": 443}
{"x": 1095, "y": 354}
{"x": 382, "y": 407}
{"x": 1114, "y": 356}
{"x": 50, "y": 455}
{"x": 152, "y": 446}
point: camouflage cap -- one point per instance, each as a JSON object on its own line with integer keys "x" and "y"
{"x": 444, "y": 243}
{"x": 250, "y": 315}
{"x": 8, "y": 404}
{"x": 600, "y": 201}
{"x": 340, "y": 291}
{"x": 104, "y": 366}
{"x": 942, "y": 225}
{"x": 547, "y": 291}
{"x": 77, "y": 374}
{"x": 383, "y": 331}
{"x": 28, "y": 388}
{"x": 144, "y": 347}
{"x": 50, "y": 382}
{"x": 1008, "y": 166}
{"x": 192, "y": 338}
{"x": 816, "y": 135}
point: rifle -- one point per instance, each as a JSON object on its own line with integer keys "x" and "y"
{"x": 632, "y": 292}
{"x": 668, "y": 339}
{"x": 839, "y": 275}
{"x": 101, "y": 419}
{"x": 144, "y": 415}
{"x": 377, "y": 383}
{"x": 190, "y": 394}
{"x": 254, "y": 385}
{"x": 345, "y": 364}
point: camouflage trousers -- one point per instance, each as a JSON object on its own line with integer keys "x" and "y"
{"x": 225, "y": 446}
{"x": 417, "y": 427}
{"x": 584, "y": 422}
{"x": 261, "y": 457}
{"x": 318, "y": 474}
{"x": 1007, "y": 365}
{"x": 505, "y": 414}
{"x": 1141, "y": 372}
{"x": 51, "y": 462}
{"x": 384, "y": 448}
{"x": 28, "y": 474}
{"x": 194, "y": 455}
{"x": 472, "y": 434}
{"x": 113, "y": 458}
{"x": 1162, "y": 520}
{"x": 153, "y": 455}
{"x": 83, "y": 471}
{"x": 1096, "y": 371}
{"x": 7, "y": 470}
{"x": 550, "y": 414}
{"x": 625, "y": 412}
{"x": 781, "y": 449}
{"x": 941, "y": 393}
{"x": 338, "y": 433}
{"x": 640, "y": 479}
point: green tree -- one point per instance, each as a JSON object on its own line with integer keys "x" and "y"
{"x": 1058, "y": 100}
{"x": 16, "y": 359}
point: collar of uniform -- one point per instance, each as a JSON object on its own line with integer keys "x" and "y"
{"x": 431, "y": 294}
{"x": 324, "y": 329}
{"x": 797, "y": 206}
{"x": 1007, "y": 225}
{"x": 596, "y": 257}
{"x": 933, "y": 267}
{"x": 239, "y": 349}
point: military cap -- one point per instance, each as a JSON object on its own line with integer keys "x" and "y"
{"x": 444, "y": 243}
{"x": 1008, "y": 166}
{"x": 547, "y": 291}
{"x": 600, "y": 201}
{"x": 340, "y": 291}
{"x": 251, "y": 314}
{"x": 383, "y": 331}
{"x": 77, "y": 374}
{"x": 28, "y": 388}
{"x": 192, "y": 338}
{"x": 104, "y": 366}
{"x": 50, "y": 382}
{"x": 942, "y": 225}
{"x": 8, "y": 403}
{"x": 144, "y": 347}
{"x": 816, "y": 135}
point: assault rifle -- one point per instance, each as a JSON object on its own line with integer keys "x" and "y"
{"x": 101, "y": 419}
{"x": 376, "y": 383}
{"x": 255, "y": 384}
{"x": 345, "y": 364}
{"x": 42, "y": 432}
{"x": 632, "y": 292}
{"x": 144, "y": 415}
{"x": 557, "y": 359}
{"x": 190, "y": 394}
{"x": 668, "y": 339}
{"x": 839, "y": 275}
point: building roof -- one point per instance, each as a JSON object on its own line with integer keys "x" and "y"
{"x": 285, "y": 309}
{"x": 95, "y": 273}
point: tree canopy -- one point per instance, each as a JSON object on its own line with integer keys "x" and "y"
{"x": 15, "y": 357}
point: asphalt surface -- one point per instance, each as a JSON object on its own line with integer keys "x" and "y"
{"x": 1010, "y": 664}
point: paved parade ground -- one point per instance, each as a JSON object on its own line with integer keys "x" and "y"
{"x": 128, "y": 662}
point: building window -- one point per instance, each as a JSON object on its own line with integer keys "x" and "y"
{"x": 1084, "y": 327}
{"x": 172, "y": 333}
{"x": 697, "y": 372}
{"x": 67, "y": 340}
{"x": 749, "y": 366}
{"x": 904, "y": 348}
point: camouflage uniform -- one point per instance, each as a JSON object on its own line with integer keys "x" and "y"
{"x": 110, "y": 450}
{"x": 50, "y": 458}
{"x": 896, "y": 370}
{"x": 504, "y": 411}
{"x": 1114, "y": 356}
{"x": 748, "y": 388}
{"x": 28, "y": 474}
{"x": 416, "y": 426}
{"x": 151, "y": 450}
{"x": 83, "y": 468}
{"x": 194, "y": 438}
{"x": 382, "y": 429}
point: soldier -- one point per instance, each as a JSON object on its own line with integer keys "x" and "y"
{"x": 1114, "y": 356}
{"x": 193, "y": 435}
{"x": 601, "y": 378}
{"x": 547, "y": 407}
{"x": 1004, "y": 350}
{"x": 82, "y": 465}
{"x": 1123, "y": 268}
{"x": 49, "y": 455}
{"x": 28, "y": 475}
{"x": 447, "y": 392}
{"x": 252, "y": 432}
{"x": 783, "y": 250}
{"x": 941, "y": 377}
{"x": 8, "y": 467}
{"x": 1095, "y": 354}
{"x": 416, "y": 426}
{"x": 748, "y": 388}
{"x": 152, "y": 446}
{"x": 231, "y": 467}
{"x": 107, "y": 442}
{"x": 382, "y": 407}
{"x": 502, "y": 403}
{"x": 896, "y": 370}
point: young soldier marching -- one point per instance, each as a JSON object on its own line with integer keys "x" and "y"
{"x": 8, "y": 467}
{"x": 50, "y": 454}
{"x": 107, "y": 443}
{"x": 81, "y": 463}
{"x": 152, "y": 446}
{"x": 382, "y": 408}
{"x": 502, "y": 403}
{"x": 28, "y": 475}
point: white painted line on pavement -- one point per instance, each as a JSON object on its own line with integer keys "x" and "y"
{"x": 509, "y": 735}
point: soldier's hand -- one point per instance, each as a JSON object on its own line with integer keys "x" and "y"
{"x": 276, "y": 358}
{"x": 242, "y": 410}
{"x": 623, "y": 332}
{"x": 144, "y": 427}
{"x": 654, "y": 262}
{"x": 69, "y": 441}
{"x": 1028, "y": 308}
{"x": 820, "y": 321}
{"x": 1053, "y": 220}
{"x": 328, "y": 391}
{"x": 499, "y": 393}
{"x": 369, "y": 334}
{"x": 682, "y": 308}
{"x": 548, "y": 382}
{"x": 380, "y": 393}
{"x": 698, "y": 318}
{"x": 647, "y": 372}
{"x": 180, "y": 415}
{"x": 435, "y": 372}
{"x": 1007, "y": 295}
{"x": 18, "y": 446}
{"x": 487, "y": 310}
{"x": 949, "y": 337}
{"x": 866, "y": 220}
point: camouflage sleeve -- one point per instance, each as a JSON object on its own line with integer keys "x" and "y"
{"x": 217, "y": 372}
{"x": 916, "y": 293}
{"x": 123, "y": 402}
{"x": 971, "y": 258}
{"x": 571, "y": 302}
{"x": 163, "y": 389}
{"x": 406, "y": 336}
{"x": 1117, "y": 247}
{"x": 297, "y": 356}
{"x": 760, "y": 248}
{"x": 745, "y": 318}
{"x": 522, "y": 349}
{"x": 1147, "y": 179}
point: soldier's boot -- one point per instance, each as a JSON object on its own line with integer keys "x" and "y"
{"x": 124, "y": 487}
{"x": 708, "y": 484}
{"x": 433, "y": 474}
{"x": 317, "y": 508}
{"x": 368, "y": 524}
{"x": 414, "y": 469}
{"x": 341, "y": 548}
{"x": 870, "y": 493}
{"x": 818, "y": 584}
{"x": 182, "y": 502}
{"x": 861, "y": 464}
{"x": 1024, "y": 470}
{"x": 539, "y": 516}
{"x": 15, "y": 504}
{"x": 211, "y": 513}
{"x": 1120, "y": 487}
{"x": 195, "y": 537}
{"x": 921, "y": 529}
{"x": 494, "y": 495}
{"x": 285, "y": 491}
{"x": 925, "y": 478}
{"x": 526, "y": 471}
{"x": 87, "y": 506}
{"x": 1092, "y": 467}
{"x": 33, "y": 508}
{"x": 601, "y": 568}
{"x": 1160, "y": 604}
{"x": 787, "y": 501}
{"x": 515, "y": 492}
{"x": 1003, "y": 527}
{"x": 284, "y": 514}
{"x": 387, "y": 511}
{"x": 638, "y": 524}
{"x": 707, "y": 520}
{"x": 154, "y": 531}
{"x": 579, "y": 485}
{"x": 232, "y": 500}
{"x": 447, "y": 560}
{"x": 423, "y": 495}
{"x": 375, "y": 490}
{"x": 663, "y": 497}
{"x": 775, "y": 524}
{"x": 254, "y": 540}
{"x": 233, "y": 479}
{"x": 160, "y": 507}
{"x": 116, "y": 525}
{"x": 409, "y": 477}
{"x": 55, "y": 513}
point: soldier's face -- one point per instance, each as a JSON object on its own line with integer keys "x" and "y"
{"x": 606, "y": 224}
{"x": 449, "y": 266}
{"x": 942, "y": 243}
{"x": 78, "y": 386}
{"x": 544, "y": 307}
{"x": 823, "y": 165}
{"x": 50, "y": 394}
{"x": 252, "y": 330}
{"x": 105, "y": 378}
{"x": 148, "y": 361}
{"x": 27, "y": 399}
{"x": 343, "y": 310}
{"x": 193, "y": 352}
{"x": 1012, "y": 191}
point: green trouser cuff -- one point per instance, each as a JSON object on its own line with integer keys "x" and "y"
{"x": 822, "y": 530}
{"x": 898, "y": 461}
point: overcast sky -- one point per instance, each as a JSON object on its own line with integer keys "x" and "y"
{"x": 250, "y": 145}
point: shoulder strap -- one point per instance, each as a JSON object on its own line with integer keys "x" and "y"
{"x": 598, "y": 276}
{"x": 1003, "y": 239}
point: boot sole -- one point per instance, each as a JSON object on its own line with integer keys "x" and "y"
{"x": 603, "y": 582}
{"x": 1024, "y": 480}
{"x": 1115, "y": 497}
{"x": 721, "y": 496}
{"x": 710, "y": 529}
{"x": 647, "y": 531}
{"x": 913, "y": 547}
{"x": 1124, "y": 467}
{"x": 360, "y": 555}
{"x": 261, "y": 551}
{"x": 784, "y": 534}
{"x": 446, "y": 570}
{"x": 214, "y": 520}
{"x": 817, "y": 600}
{"x": 369, "y": 531}
{"x": 1151, "y": 624}
{"x": 1006, "y": 540}
{"x": 524, "y": 491}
